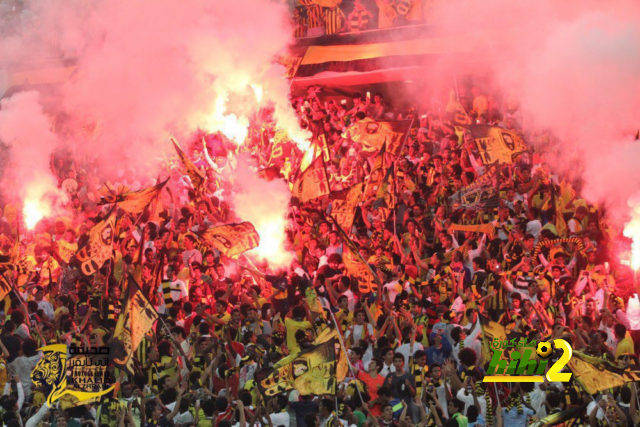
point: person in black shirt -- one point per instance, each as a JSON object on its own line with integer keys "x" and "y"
{"x": 10, "y": 341}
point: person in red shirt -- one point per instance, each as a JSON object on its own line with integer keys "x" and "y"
{"x": 371, "y": 377}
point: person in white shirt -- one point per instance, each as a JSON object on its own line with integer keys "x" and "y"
{"x": 408, "y": 349}
{"x": 361, "y": 330}
{"x": 178, "y": 290}
{"x": 387, "y": 362}
{"x": 43, "y": 304}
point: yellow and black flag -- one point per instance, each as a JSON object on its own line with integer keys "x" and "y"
{"x": 570, "y": 417}
{"x": 373, "y": 134}
{"x": 99, "y": 248}
{"x": 344, "y": 204}
{"x": 595, "y": 374}
{"x": 356, "y": 266}
{"x": 497, "y": 145}
{"x": 386, "y": 195}
{"x": 136, "y": 319}
{"x": 456, "y": 109}
{"x": 232, "y": 239}
{"x": 312, "y": 183}
{"x": 5, "y": 287}
{"x": 342, "y": 363}
{"x": 135, "y": 202}
{"x": 318, "y": 148}
{"x": 495, "y": 331}
{"x": 197, "y": 177}
{"x": 311, "y": 371}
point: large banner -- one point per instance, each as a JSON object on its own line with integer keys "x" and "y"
{"x": 233, "y": 239}
{"x": 372, "y": 134}
{"x": 497, "y": 145}
{"x": 312, "y": 371}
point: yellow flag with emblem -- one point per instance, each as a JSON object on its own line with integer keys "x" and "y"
{"x": 342, "y": 367}
{"x": 312, "y": 183}
{"x": 136, "y": 319}
{"x": 311, "y": 371}
{"x": 232, "y": 239}
{"x": 497, "y": 145}
{"x": 373, "y": 134}
{"x": 99, "y": 248}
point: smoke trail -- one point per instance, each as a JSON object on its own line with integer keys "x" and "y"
{"x": 26, "y": 130}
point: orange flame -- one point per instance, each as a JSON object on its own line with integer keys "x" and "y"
{"x": 33, "y": 211}
{"x": 632, "y": 231}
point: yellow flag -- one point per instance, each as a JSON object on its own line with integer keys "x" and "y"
{"x": 343, "y": 207}
{"x": 595, "y": 374}
{"x": 135, "y": 320}
{"x": 496, "y": 144}
{"x": 197, "y": 177}
{"x": 5, "y": 287}
{"x": 99, "y": 249}
{"x": 312, "y": 183}
{"x": 135, "y": 201}
{"x": 342, "y": 367}
{"x": 356, "y": 266}
{"x": 232, "y": 239}
{"x": 311, "y": 371}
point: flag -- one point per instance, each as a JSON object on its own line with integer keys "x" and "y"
{"x": 311, "y": 371}
{"x": 135, "y": 202}
{"x": 595, "y": 374}
{"x": 376, "y": 176}
{"x": 136, "y": 319}
{"x": 269, "y": 174}
{"x": 496, "y": 144}
{"x": 386, "y": 195}
{"x": 483, "y": 198}
{"x": 343, "y": 206}
{"x": 488, "y": 229}
{"x": 568, "y": 416}
{"x": 99, "y": 248}
{"x": 460, "y": 115}
{"x": 312, "y": 183}
{"x": 373, "y": 134}
{"x": 356, "y": 266}
{"x": 318, "y": 148}
{"x": 232, "y": 239}
{"x": 197, "y": 177}
{"x": 342, "y": 367}
{"x": 492, "y": 330}
{"x": 5, "y": 287}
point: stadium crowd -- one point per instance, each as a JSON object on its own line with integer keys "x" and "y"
{"x": 448, "y": 273}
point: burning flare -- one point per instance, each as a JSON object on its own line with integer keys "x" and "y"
{"x": 632, "y": 231}
{"x": 233, "y": 127}
{"x": 33, "y": 211}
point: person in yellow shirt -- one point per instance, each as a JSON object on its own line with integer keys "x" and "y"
{"x": 294, "y": 324}
{"x": 49, "y": 269}
{"x": 625, "y": 343}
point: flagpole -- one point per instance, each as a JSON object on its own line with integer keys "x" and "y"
{"x": 344, "y": 349}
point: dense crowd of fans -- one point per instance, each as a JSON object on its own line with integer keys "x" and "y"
{"x": 414, "y": 343}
